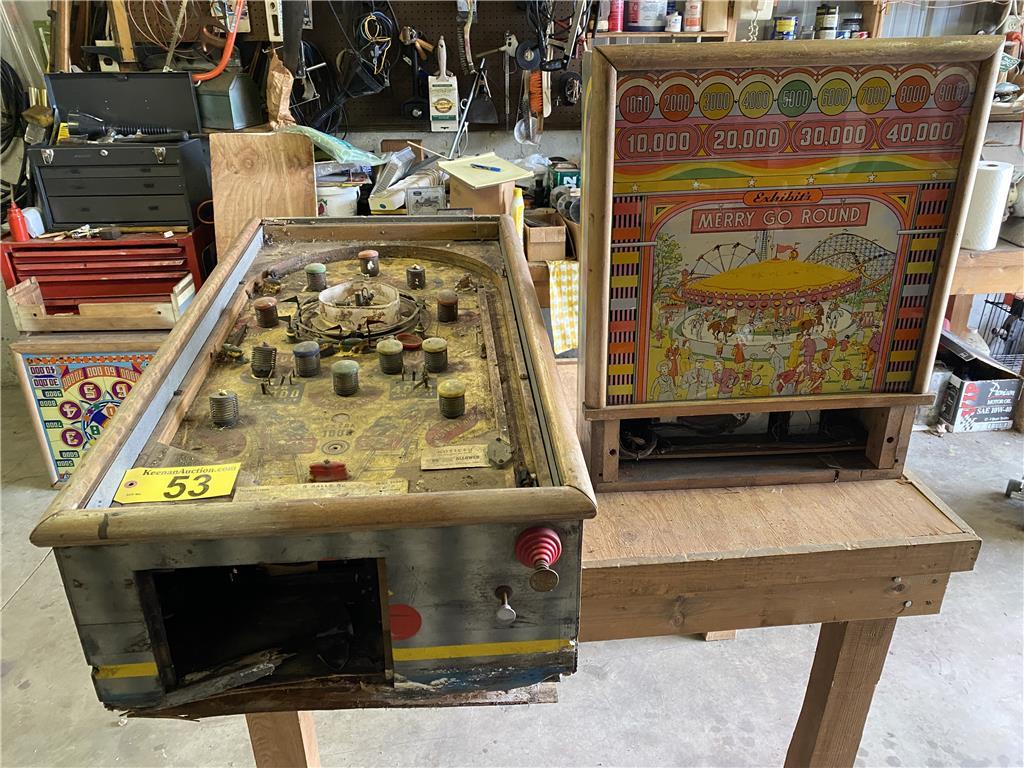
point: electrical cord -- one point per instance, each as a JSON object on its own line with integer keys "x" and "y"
{"x": 752, "y": 30}
{"x": 229, "y": 45}
{"x": 358, "y": 75}
{"x": 15, "y": 101}
{"x": 325, "y": 83}
{"x": 377, "y": 31}
{"x": 12, "y": 127}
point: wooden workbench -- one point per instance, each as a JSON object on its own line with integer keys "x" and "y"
{"x": 854, "y": 557}
{"x": 996, "y": 271}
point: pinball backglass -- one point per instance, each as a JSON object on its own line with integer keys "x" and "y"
{"x": 780, "y": 228}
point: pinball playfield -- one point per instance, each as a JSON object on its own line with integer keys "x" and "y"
{"x": 343, "y": 481}
{"x": 388, "y": 428}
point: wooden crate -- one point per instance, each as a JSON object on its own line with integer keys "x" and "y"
{"x": 769, "y": 229}
{"x": 30, "y": 315}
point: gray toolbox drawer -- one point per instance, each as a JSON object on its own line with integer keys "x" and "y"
{"x": 128, "y": 209}
{"x": 89, "y": 184}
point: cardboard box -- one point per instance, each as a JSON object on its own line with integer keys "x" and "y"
{"x": 981, "y": 393}
{"x": 564, "y": 174}
{"x": 544, "y": 243}
{"x": 541, "y": 283}
{"x": 425, "y": 201}
{"x": 976, "y": 406}
{"x": 715, "y": 16}
{"x": 397, "y": 145}
{"x": 930, "y": 415}
{"x": 574, "y": 247}
{"x": 494, "y": 199}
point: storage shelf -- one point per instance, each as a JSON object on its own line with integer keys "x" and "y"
{"x": 663, "y": 35}
{"x": 1001, "y": 269}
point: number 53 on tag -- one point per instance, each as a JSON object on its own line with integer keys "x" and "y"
{"x": 155, "y": 484}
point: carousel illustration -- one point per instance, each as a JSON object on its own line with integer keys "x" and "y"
{"x": 789, "y": 312}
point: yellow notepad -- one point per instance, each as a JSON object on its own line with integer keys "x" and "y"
{"x": 479, "y": 177}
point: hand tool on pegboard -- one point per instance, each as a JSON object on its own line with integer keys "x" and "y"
{"x": 546, "y": 50}
{"x": 531, "y": 108}
{"x": 477, "y": 107}
{"x": 465, "y": 17}
{"x": 416, "y": 106}
{"x": 508, "y": 49}
{"x": 481, "y": 109}
{"x": 443, "y": 94}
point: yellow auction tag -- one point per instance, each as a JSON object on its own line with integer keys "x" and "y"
{"x": 149, "y": 484}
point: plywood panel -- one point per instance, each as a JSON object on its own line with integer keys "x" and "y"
{"x": 720, "y": 520}
{"x": 258, "y": 175}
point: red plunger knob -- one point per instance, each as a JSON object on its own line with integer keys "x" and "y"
{"x": 540, "y": 548}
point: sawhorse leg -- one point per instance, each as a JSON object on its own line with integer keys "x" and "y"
{"x": 847, "y": 665}
{"x": 283, "y": 739}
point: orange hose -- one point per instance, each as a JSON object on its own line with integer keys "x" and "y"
{"x": 229, "y": 46}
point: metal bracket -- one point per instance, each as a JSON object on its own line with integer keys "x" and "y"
{"x": 161, "y": 153}
{"x": 47, "y": 156}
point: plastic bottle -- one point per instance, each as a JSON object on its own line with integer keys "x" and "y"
{"x": 646, "y": 15}
{"x": 518, "y": 211}
{"x": 16, "y": 220}
{"x": 615, "y": 15}
{"x": 692, "y": 18}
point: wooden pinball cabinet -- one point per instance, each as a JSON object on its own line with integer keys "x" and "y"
{"x": 404, "y": 523}
{"x": 770, "y": 234}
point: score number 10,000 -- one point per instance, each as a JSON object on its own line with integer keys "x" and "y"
{"x": 643, "y": 143}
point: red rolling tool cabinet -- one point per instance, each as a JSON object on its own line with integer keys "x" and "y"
{"x": 133, "y": 268}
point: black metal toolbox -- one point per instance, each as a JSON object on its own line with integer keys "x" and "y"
{"x": 154, "y": 183}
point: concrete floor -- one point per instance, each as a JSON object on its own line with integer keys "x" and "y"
{"x": 951, "y": 693}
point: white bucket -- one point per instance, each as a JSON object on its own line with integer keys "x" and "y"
{"x": 336, "y": 201}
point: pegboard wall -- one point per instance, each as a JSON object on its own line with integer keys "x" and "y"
{"x": 154, "y": 22}
{"x": 334, "y": 29}
{"x": 383, "y": 111}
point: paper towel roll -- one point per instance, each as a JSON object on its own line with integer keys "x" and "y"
{"x": 988, "y": 204}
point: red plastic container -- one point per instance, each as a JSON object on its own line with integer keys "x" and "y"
{"x": 16, "y": 220}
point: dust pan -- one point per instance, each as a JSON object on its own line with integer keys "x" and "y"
{"x": 481, "y": 109}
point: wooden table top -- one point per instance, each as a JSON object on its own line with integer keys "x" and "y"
{"x": 654, "y": 526}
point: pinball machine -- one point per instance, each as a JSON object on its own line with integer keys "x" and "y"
{"x": 344, "y": 480}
